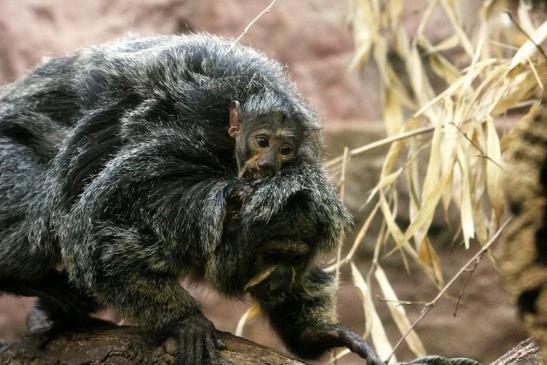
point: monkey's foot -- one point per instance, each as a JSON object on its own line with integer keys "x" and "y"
{"x": 197, "y": 342}
{"x": 42, "y": 327}
{"x": 338, "y": 335}
{"x": 38, "y": 323}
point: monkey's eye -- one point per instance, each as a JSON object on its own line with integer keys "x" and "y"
{"x": 285, "y": 150}
{"x": 262, "y": 141}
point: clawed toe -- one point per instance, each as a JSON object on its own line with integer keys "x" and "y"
{"x": 42, "y": 328}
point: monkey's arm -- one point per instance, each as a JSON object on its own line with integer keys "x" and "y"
{"x": 299, "y": 204}
{"x": 133, "y": 274}
{"x": 305, "y": 318}
{"x": 125, "y": 241}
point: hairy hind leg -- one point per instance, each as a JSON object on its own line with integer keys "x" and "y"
{"x": 60, "y": 305}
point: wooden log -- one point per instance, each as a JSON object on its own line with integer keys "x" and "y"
{"x": 123, "y": 345}
{"x": 127, "y": 345}
{"x": 525, "y": 353}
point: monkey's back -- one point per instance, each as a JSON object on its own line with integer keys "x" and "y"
{"x": 177, "y": 67}
{"x": 34, "y": 120}
{"x": 188, "y": 78}
{"x": 184, "y": 81}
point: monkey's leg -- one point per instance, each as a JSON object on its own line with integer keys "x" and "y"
{"x": 159, "y": 302}
{"x": 60, "y": 306}
{"x": 305, "y": 319}
{"x": 137, "y": 277}
{"x": 49, "y": 317}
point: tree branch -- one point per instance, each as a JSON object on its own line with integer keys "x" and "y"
{"x": 525, "y": 353}
{"x": 111, "y": 344}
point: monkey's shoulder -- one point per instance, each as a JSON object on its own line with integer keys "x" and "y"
{"x": 195, "y": 59}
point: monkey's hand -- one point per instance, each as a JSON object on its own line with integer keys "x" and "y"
{"x": 242, "y": 192}
{"x": 238, "y": 196}
{"x": 197, "y": 342}
{"x": 338, "y": 335}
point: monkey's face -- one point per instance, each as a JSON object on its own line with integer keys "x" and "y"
{"x": 265, "y": 145}
{"x": 280, "y": 265}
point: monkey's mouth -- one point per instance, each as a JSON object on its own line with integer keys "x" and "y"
{"x": 259, "y": 278}
{"x": 275, "y": 280}
{"x": 253, "y": 172}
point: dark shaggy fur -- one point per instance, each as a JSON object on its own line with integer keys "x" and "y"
{"x": 115, "y": 163}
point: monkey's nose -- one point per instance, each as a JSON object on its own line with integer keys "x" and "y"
{"x": 266, "y": 168}
{"x": 265, "y": 164}
{"x": 280, "y": 280}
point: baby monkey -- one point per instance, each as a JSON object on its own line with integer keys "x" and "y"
{"x": 263, "y": 144}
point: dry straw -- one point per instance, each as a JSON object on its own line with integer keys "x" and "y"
{"x": 497, "y": 68}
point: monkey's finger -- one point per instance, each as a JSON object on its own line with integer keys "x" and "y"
{"x": 353, "y": 342}
{"x": 199, "y": 348}
{"x": 373, "y": 358}
{"x": 185, "y": 353}
{"x": 181, "y": 358}
{"x": 219, "y": 343}
{"x": 193, "y": 340}
{"x": 212, "y": 351}
{"x": 210, "y": 347}
{"x": 328, "y": 338}
{"x": 356, "y": 344}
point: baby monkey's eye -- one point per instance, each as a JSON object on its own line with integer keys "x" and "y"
{"x": 285, "y": 150}
{"x": 262, "y": 141}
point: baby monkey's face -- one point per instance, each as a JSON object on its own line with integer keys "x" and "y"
{"x": 268, "y": 146}
{"x": 263, "y": 144}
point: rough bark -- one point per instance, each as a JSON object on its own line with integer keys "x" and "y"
{"x": 127, "y": 345}
{"x": 525, "y": 353}
{"x": 131, "y": 345}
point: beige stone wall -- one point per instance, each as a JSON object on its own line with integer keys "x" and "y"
{"x": 310, "y": 37}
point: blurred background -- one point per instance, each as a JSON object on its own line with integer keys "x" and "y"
{"x": 314, "y": 40}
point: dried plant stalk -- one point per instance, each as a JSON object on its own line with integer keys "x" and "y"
{"x": 499, "y": 69}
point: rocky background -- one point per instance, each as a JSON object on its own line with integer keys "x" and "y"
{"x": 312, "y": 39}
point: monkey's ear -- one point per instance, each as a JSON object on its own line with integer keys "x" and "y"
{"x": 235, "y": 112}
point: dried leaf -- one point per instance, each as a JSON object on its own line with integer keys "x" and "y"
{"x": 394, "y": 9}
{"x": 529, "y": 48}
{"x": 494, "y": 171}
{"x": 443, "y": 68}
{"x": 384, "y": 182}
{"x": 425, "y": 214}
{"x": 398, "y": 314}
{"x": 451, "y": 42}
{"x": 377, "y": 331}
{"x": 393, "y": 114}
{"x": 466, "y": 210}
{"x": 365, "y": 28}
{"x": 260, "y": 277}
{"x": 419, "y": 81}
{"x": 392, "y": 226}
{"x": 455, "y": 22}
{"x": 251, "y": 313}
{"x": 430, "y": 260}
